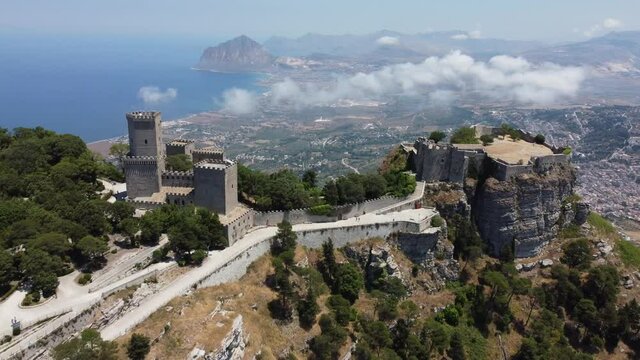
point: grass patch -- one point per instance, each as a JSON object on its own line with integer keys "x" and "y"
{"x": 571, "y": 232}
{"x": 629, "y": 253}
{"x": 601, "y": 224}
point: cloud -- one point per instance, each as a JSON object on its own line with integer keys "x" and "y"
{"x": 443, "y": 78}
{"x": 153, "y": 94}
{"x": 239, "y": 101}
{"x": 388, "y": 40}
{"x": 475, "y": 34}
{"x": 606, "y": 25}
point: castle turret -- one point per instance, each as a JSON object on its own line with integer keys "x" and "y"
{"x": 215, "y": 183}
{"x": 145, "y": 163}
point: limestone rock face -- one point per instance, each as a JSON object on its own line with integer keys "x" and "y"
{"x": 526, "y": 211}
{"x": 237, "y": 55}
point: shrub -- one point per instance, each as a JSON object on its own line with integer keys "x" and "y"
{"x": 138, "y": 347}
{"x": 84, "y": 279}
{"x": 27, "y": 301}
{"x": 198, "y": 256}
{"x": 567, "y": 151}
{"x": 464, "y": 135}
{"x": 486, "y": 139}
{"x": 437, "y": 221}
{"x": 324, "y": 210}
{"x": 540, "y": 139}
{"x": 437, "y": 136}
{"x": 577, "y": 254}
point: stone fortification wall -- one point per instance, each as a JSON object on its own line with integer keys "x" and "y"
{"x": 303, "y": 216}
{"x": 544, "y": 164}
{"x": 144, "y": 204}
{"x": 180, "y": 147}
{"x": 503, "y": 171}
{"x": 341, "y": 236}
{"x": 240, "y": 226}
{"x": 142, "y": 175}
{"x": 177, "y": 178}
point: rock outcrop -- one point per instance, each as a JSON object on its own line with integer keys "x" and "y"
{"x": 527, "y": 211}
{"x": 241, "y": 54}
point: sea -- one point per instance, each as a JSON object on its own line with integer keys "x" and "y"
{"x": 84, "y": 85}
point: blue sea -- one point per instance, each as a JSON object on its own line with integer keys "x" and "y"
{"x": 84, "y": 85}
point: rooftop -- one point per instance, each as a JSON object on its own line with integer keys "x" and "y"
{"x": 213, "y": 164}
{"x": 514, "y": 152}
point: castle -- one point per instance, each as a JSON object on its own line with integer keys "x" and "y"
{"x": 455, "y": 162}
{"x": 212, "y": 183}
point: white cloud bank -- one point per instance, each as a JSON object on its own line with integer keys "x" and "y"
{"x": 153, "y": 94}
{"x": 607, "y": 24}
{"x": 388, "y": 41}
{"x": 475, "y": 34}
{"x": 239, "y": 101}
{"x": 502, "y": 77}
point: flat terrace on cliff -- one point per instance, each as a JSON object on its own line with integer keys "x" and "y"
{"x": 510, "y": 151}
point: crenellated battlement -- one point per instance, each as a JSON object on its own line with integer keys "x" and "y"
{"x": 140, "y": 160}
{"x": 214, "y": 164}
{"x": 142, "y": 115}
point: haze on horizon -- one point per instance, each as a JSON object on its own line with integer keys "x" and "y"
{"x": 546, "y": 20}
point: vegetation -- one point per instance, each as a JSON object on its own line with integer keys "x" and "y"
{"x": 138, "y": 347}
{"x": 437, "y": 136}
{"x": 179, "y": 162}
{"x": 89, "y": 345}
{"x": 486, "y": 139}
{"x": 629, "y": 253}
{"x": 189, "y": 228}
{"x": 508, "y": 130}
{"x": 464, "y": 135}
{"x": 540, "y": 139}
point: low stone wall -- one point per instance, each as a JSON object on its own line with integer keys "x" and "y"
{"x": 503, "y": 171}
{"x": 543, "y": 164}
{"x": 236, "y": 267}
{"x": 419, "y": 246}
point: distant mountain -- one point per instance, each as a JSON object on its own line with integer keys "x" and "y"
{"x": 237, "y": 55}
{"x": 435, "y": 43}
{"x": 616, "y": 53}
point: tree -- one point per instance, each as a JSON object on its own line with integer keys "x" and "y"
{"x": 486, "y": 139}
{"x": 119, "y": 150}
{"x": 138, "y": 347}
{"x": 52, "y": 243}
{"x": 198, "y": 257}
{"x": 308, "y": 308}
{"x": 91, "y": 248}
{"x": 348, "y": 281}
{"x": 6, "y": 269}
{"x": 179, "y": 162}
{"x": 456, "y": 347}
{"x": 464, "y": 135}
{"x": 540, "y": 139}
{"x": 602, "y": 284}
{"x": 118, "y": 212}
{"x": 341, "y": 309}
{"x": 378, "y": 335}
{"x": 328, "y": 266}
{"x": 284, "y": 241}
{"x": 330, "y": 193}
{"x": 437, "y": 136}
{"x": 88, "y": 346}
{"x": 310, "y": 178}
{"x": 45, "y": 282}
{"x": 577, "y": 254}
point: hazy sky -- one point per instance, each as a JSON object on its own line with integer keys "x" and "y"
{"x": 513, "y": 19}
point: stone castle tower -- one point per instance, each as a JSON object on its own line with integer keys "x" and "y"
{"x": 145, "y": 163}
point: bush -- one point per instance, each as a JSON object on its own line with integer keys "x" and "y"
{"x": 577, "y": 254}
{"x": 437, "y": 221}
{"x": 464, "y": 135}
{"x": 437, "y": 136}
{"x": 540, "y": 139}
{"x": 198, "y": 257}
{"x": 567, "y": 151}
{"x": 84, "y": 279}
{"x": 324, "y": 210}
{"x": 486, "y": 139}
{"x": 138, "y": 347}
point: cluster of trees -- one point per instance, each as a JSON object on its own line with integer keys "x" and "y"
{"x": 179, "y": 162}
{"x": 51, "y": 215}
{"x": 284, "y": 190}
{"x": 90, "y": 345}
{"x": 464, "y": 135}
{"x": 192, "y": 232}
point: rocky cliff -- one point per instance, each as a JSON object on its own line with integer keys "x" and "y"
{"x": 526, "y": 212}
{"x": 241, "y": 54}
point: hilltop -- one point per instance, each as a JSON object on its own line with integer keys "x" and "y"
{"x": 240, "y": 54}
